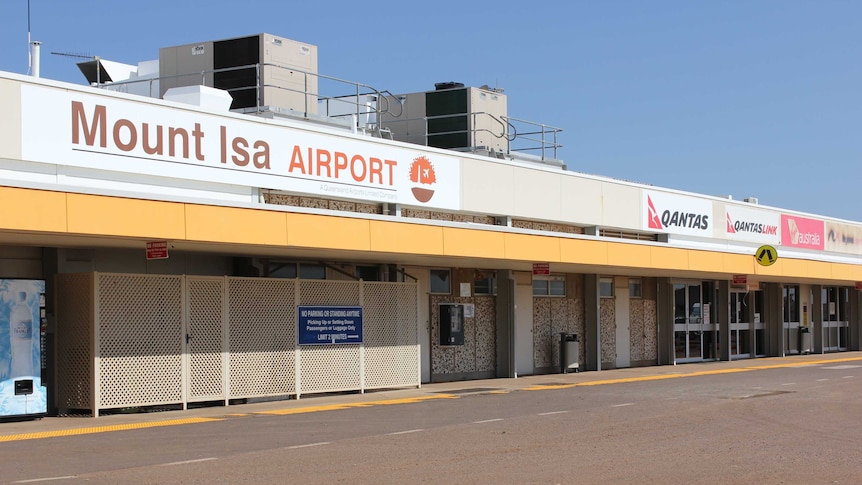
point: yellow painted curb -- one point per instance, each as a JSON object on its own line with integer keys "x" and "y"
{"x": 104, "y": 429}
{"x": 406, "y": 400}
{"x": 335, "y": 407}
{"x": 691, "y": 374}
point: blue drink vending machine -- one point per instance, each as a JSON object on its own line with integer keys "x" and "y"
{"x": 22, "y": 332}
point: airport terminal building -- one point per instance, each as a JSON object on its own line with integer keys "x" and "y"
{"x": 226, "y": 223}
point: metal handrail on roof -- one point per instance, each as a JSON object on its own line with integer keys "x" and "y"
{"x": 546, "y": 143}
{"x": 517, "y": 141}
{"x": 537, "y": 140}
{"x": 207, "y": 78}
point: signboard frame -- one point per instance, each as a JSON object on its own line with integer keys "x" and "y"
{"x": 102, "y": 132}
{"x": 541, "y": 269}
{"x": 157, "y": 250}
{"x": 329, "y": 325}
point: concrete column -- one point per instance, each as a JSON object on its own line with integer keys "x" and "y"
{"x": 855, "y": 319}
{"x": 505, "y": 324}
{"x": 723, "y": 320}
{"x": 592, "y": 324}
{"x": 816, "y": 319}
{"x": 664, "y": 310}
{"x": 774, "y": 322}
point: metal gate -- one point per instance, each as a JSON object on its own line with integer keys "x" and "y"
{"x": 205, "y": 338}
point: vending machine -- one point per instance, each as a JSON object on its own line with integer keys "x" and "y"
{"x": 22, "y": 337}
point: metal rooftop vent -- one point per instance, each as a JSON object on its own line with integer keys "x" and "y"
{"x": 448, "y": 85}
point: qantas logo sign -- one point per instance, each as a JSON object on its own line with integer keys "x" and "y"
{"x": 654, "y": 221}
{"x": 744, "y": 224}
{"x": 734, "y": 227}
{"x": 677, "y": 214}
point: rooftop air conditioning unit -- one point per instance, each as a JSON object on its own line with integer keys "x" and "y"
{"x": 750, "y": 200}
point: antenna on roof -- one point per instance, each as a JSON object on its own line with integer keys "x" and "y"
{"x": 29, "y": 57}
{"x": 29, "y": 60}
{"x": 93, "y": 69}
{"x": 77, "y": 55}
{"x": 34, "y": 48}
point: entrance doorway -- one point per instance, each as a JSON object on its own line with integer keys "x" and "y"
{"x": 836, "y": 307}
{"x": 523, "y": 325}
{"x": 422, "y": 278}
{"x": 695, "y": 331}
{"x": 791, "y": 318}
{"x": 747, "y": 334}
{"x": 622, "y": 315}
{"x": 740, "y": 326}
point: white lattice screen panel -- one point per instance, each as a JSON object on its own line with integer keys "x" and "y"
{"x": 328, "y": 292}
{"x": 262, "y": 329}
{"x": 136, "y": 323}
{"x": 74, "y": 341}
{"x": 391, "y": 341}
{"x": 329, "y": 368}
{"x": 139, "y": 340}
{"x": 205, "y": 337}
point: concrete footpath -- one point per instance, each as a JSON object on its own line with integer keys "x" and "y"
{"x": 50, "y": 427}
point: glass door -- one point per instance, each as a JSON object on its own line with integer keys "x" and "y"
{"x": 791, "y": 319}
{"x": 695, "y": 333}
{"x": 759, "y": 325}
{"x": 740, "y": 325}
{"x": 836, "y": 305}
{"x": 686, "y": 334}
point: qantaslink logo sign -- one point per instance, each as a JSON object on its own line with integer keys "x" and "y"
{"x": 676, "y": 214}
{"x": 754, "y": 225}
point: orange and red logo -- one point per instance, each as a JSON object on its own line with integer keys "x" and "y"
{"x": 422, "y": 173}
{"x": 730, "y": 228}
{"x": 652, "y": 216}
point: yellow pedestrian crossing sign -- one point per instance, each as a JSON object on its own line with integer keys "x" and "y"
{"x": 766, "y": 255}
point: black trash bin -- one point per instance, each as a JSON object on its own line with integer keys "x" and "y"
{"x": 804, "y": 340}
{"x": 569, "y": 353}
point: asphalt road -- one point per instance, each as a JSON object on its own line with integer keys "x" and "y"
{"x": 779, "y": 425}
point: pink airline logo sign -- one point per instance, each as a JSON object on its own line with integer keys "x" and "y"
{"x": 801, "y": 232}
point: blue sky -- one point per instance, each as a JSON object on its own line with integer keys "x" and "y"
{"x": 755, "y": 98}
